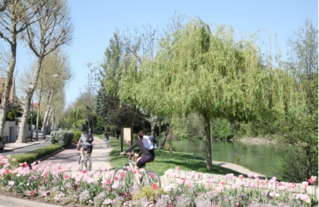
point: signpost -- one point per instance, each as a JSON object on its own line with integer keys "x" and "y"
{"x": 126, "y": 135}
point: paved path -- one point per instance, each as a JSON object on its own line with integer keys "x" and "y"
{"x": 70, "y": 157}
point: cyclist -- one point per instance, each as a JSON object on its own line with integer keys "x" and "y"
{"x": 148, "y": 155}
{"x": 86, "y": 141}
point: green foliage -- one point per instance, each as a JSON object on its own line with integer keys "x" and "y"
{"x": 34, "y": 155}
{"x": 298, "y": 126}
{"x": 221, "y": 128}
{"x": 76, "y": 136}
{"x": 148, "y": 193}
{"x": 300, "y": 146}
{"x": 63, "y": 138}
{"x": 11, "y": 116}
{"x": 189, "y": 127}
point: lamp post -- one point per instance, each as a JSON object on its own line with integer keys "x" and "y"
{"x": 31, "y": 119}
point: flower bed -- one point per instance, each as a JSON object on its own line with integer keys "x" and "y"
{"x": 96, "y": 188}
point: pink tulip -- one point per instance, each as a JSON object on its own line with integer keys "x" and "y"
{"x": 241, "y": 177}
{"x": 304, "y": 184}
{"x": 210, "y": 180}
{"x": 229, "y": 176}
{"x": 154, "y": 186}
{"x": 281, "y": 186}
{"x": 251, "y": 184}
{"x": 177, "y": 168}
{"x": 189, "y": 183}
{"x": 249, "y": 175}
{"x": 122, "y": 175}
{"x": 44, "y": 174}
{"x": 291, "y": 185}
{"x": 104, "y": 182}
{"x": 272, "y": 181}
{"x": 310, "y": 181}
{"x": 181, "y": 181}
{"x": 272, "y": 194}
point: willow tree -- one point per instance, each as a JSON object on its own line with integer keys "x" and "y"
{"x": 197, "y": 70}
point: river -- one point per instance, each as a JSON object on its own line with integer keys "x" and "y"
{"x": 260, "y": 158}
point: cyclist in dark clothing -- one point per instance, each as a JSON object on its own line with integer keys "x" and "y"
{"x": 148, "y": 155}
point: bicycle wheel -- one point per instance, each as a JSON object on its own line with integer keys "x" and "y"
{"x": 81, "y": 164}
{"x": 89, "y": 163}
{"x": 150, "y": 178}
{"x": 122, "y": 176}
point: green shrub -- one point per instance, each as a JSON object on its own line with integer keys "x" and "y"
{"x": 34, "y": 155}
{"x": 63, "y": 138}
{"x": 148, "y": 193}
{"x": 76, "y": 136}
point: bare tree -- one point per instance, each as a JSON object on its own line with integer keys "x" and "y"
{"x": 52, "y": 30}
{"x": 12, "y": 22}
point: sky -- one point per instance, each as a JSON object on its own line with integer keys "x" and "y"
{"x": 95, "y": 22}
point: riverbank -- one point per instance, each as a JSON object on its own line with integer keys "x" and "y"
{"x": 185, "y": 161}
{"x": 256, "y": 140}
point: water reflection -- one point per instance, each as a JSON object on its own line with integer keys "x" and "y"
{"x": 260, "y": 158}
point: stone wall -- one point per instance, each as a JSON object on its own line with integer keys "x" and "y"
{"x": 230, "y": 181}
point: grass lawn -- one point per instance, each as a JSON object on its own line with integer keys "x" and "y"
{"x": 164, "y": 161}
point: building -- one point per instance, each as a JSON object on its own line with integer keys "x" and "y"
{"x": 10, "y": 132}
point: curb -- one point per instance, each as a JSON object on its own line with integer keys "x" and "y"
{"x": 52, "y": 154}
{"x": 18, "y": 202}
{"x": 14, "y": 148}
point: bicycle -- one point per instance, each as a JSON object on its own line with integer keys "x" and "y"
{"x": 86, "y": 162}
{"x": 123, "y": 174}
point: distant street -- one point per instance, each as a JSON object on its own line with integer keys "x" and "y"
{"x": 25, "y": 149}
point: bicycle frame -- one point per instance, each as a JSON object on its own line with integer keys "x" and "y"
{"x": 86, "y": 162}
{"x": 146, "y": 177}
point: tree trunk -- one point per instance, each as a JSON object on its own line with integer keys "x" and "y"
{"x": 153, "y": 125}
{"x": 308, "y": 157}
{"x": 166, "y": 135}
{"x": 23, "y": 129}
{"x": 209, "y": 164}
{"x": 8, "y": 84}
{"x": 38, "y": 120}
{"x": 170, "y": 141}
{"x": 46, "y": 114}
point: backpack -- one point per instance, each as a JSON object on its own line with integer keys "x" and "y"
{"x": 88, "y": 137}
{"x": 149, "y": 142}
